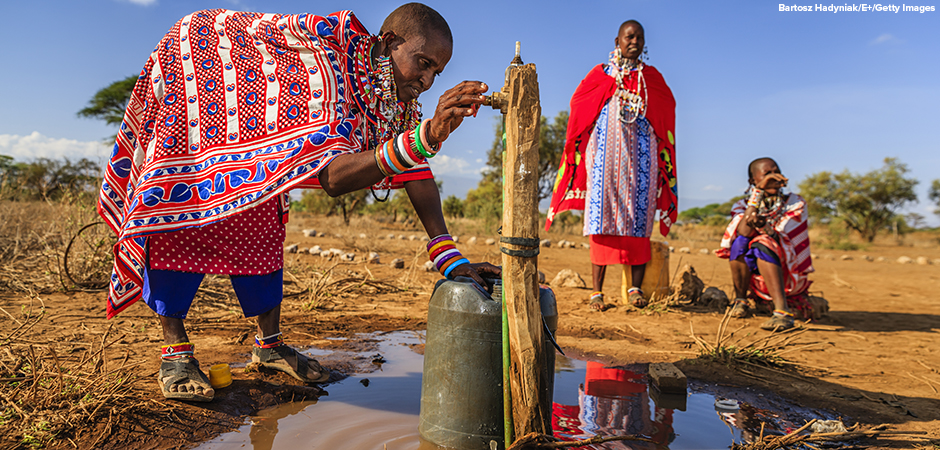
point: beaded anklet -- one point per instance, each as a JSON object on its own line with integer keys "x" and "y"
{"x": 271, "y": 341}
{"x": 173, "y": 351}
{"x": 781, "y": 312}
{"x": 443, "y": 252}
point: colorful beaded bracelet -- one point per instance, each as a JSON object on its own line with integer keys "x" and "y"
{"x": 444, "y": 254}
{"x": 756, "y": 196}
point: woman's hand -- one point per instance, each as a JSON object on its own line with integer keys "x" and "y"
{"x": 458, "y": 102}
{"x": 772, "y": 181}
{"x": 476, "y": 271}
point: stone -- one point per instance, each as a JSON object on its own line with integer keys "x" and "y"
{"x": 338, "y": 236}
{"x": 326, "y": 254}
{"x": 545, "y": 243}
{"x": 923, "y": 261}
{"x": 320, "y": 234}
{"x": 310, "y": 233}
{"x": 373, "y": 258}
{"x": 401, "y": 237}
{"x": 398, "y": 263}
{"x": 814, "y": 256}
{"x": 363, "y": 236}
{"x": 348, "y": 257}
{"x": 585, "y": 245}
{"x": 703, "y": 251}
{"x": 672, "y": 249}
{"x": 568, "y": 278}
{"x": 846, "y": 257}
{"x": 302, "y": 250}
{"x": 391, "y": 236}
{"x": 692, "y": 285}
{"x": 455, "y": 238}
{"x": 291, "y": 248}
{"x": 489, "y": 241}
{"x": 412, "y": 238}
{"x": 336, "y": 251}
{"x": 880, "y": 259}
{"x": 424, "y": 239}
{"x": 685, "y": 250}
{"x": 472, "y": 240}
{"x": 429, "y": 266}
{"x": 714, "y": 298}
{"x": 315, "y": 250}
{"x": 668, "y": 378}
{"x": 570, "y": 244}
{"x": 905, "y": 260}
{"x": 868, "y": 258}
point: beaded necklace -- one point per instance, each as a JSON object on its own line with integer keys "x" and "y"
{"x": 632, "y": 104}
{"x": 386, "y": 115}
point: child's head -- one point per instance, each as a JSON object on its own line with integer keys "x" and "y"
{"x": 760, "y": 168}
{"x": 420, "y": 47}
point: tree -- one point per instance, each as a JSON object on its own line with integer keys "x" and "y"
{"x": 867, "y": 203}
{"x": 711, "y": 213}
{"x": 318, "y": 202}
{"x": 453, "y": 207}
{"x": 108, "y": 104}
{"x": 551, "y": 147}
{"x": 934, "y": 195}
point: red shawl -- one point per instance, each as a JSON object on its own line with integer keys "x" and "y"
{"x": 586, "y": 104}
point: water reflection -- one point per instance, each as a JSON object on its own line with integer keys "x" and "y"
{"x": 613, "y": 402}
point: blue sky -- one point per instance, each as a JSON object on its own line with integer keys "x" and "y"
{"x": 815, "y": 90}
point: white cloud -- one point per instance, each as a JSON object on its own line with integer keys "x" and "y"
{"x": 35, "y": 145}
{"x": 448, "y": 165}
{"x": 886, "y": 38}
{"x": 713, "y": 187}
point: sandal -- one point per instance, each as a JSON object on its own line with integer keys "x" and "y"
{"x": 635, "y": 297}
{"x": 597, "y": 301}
{"x": 182, "y": 371}
{"x": 740, "y": 308}
{"x": 291, "y": 362}
{"x": 781, "y": 320}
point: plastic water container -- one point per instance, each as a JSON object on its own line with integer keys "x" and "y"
{"x": 462, "y": 387}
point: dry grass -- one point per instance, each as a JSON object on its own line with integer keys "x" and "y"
{"x": 50, "y": 389}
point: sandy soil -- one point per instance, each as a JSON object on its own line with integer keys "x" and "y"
{"x": 878, "y": 361}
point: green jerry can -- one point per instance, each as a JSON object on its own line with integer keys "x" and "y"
{"x": 462, "y": 387}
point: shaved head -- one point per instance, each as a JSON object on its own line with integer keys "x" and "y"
{"x": 628, "y": 23}
{"x": 412, "y": 19}
{"x": 757, "y": 162}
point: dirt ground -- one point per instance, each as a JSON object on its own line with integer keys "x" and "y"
{"x": 877, "y": 361}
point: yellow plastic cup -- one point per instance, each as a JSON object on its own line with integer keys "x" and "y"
{"x": 220, "y": 376}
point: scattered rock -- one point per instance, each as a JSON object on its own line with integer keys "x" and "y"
{"x": 320, "y": 234}
{"x": 429, "y": 266}
{"x": 923, "y": 261}
{"x": 399, "y": 263}
{"x": 814, "y": 256}
{"x": 348, "y": 257}
{"x": 703, "y": 251}
{"x": 472, "y": 240}
{"x": 338, "y": 236}
{"x": 424, "y": 239}
{"x": 568, "y": 278}
{"x": 585, "y": 245}
{"x": 905, "y": 260}
{"x": 489, "y": 241}
{"x": 373, "y": 258}
{"x": 847, "y": 257}
{"x": 692, "y": 286}
{"x": 672, "y": 249}
{"x": 302, "y": 250}
{"x": 880, "y": 259}
{"x": 315, "y": 250}
{"x": 868, "y": 258}
{"x": 714, "y": 298}
{"x": 401, "y": 237}
{"x": 291, "y": 248}
{"x": 571, "y": 244}
{"x": 545, "y": 243}
{"x": 685, "y": 250}
{"x": 412, "y": 238}
{"x": 455, "y": 238}
{"x": 326, "y": 254}
{"x": 336, "y": 251}
{"x": 310, "y": 233}
{"x": 390, "y": 236}
{"x": 363, "y": 236}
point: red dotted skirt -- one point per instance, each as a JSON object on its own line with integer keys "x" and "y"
{"x": 250, "y": 243}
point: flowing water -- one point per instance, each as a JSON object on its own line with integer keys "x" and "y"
{"x": 379, "y": 410}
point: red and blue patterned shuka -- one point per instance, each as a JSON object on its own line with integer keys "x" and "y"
{"x": 232, "y": 110}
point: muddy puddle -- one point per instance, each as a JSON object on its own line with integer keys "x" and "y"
{"x": 379, "y": 410}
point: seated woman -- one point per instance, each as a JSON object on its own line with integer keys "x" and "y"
{"x": 767, "y": 243}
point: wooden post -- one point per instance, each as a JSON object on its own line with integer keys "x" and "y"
{"x": 520, "y": 98}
